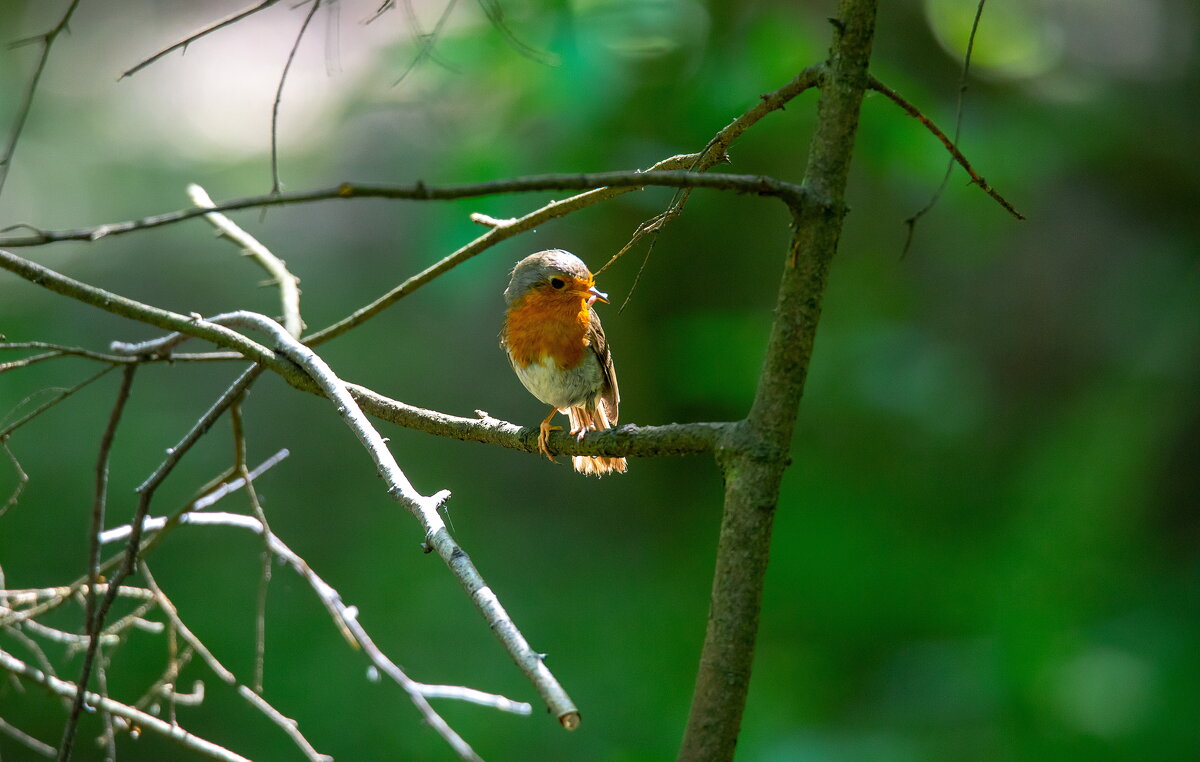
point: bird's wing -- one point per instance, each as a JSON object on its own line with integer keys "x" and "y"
{"x": 610, "y": 395}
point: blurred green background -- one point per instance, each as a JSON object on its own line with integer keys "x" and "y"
{"x": 987, "y": 547}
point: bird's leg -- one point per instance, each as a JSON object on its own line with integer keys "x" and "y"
{"x": 544, "y": 434}
{"x": 585, "y": 421}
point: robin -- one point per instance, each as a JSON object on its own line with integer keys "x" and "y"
{"x": 556, "y": 345}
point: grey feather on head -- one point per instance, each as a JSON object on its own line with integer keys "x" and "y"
{"x": 541, "y": 266}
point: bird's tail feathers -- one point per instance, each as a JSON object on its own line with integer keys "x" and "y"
{"x": 582, "y": 421}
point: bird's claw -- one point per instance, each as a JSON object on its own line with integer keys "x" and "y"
{"x": 543, "y": 437}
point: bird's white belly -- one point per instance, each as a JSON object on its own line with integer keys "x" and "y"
{"x": 576, "y": 387}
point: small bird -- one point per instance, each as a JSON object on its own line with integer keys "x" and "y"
{"x": 555, "y": 343}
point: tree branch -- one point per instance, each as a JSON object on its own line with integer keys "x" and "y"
{"x": 275, "y": 188}
{"x": 136, "y": 717}
{"x": 761, "y": 185}
{"x": 915, "y": 113}
{"x": 182, "y": 44}
{"x": 90, "y": 620}
{"x": 289, "y": 291}
{"x": 754, "y": 454}
{"x": 120, "y": 305}
{"x": 47, "y": 40}
{"x": 627, "y": 440}
{"x": 289, "y": 726}
{"x": 145, "y": 495}
{"x": 56, "y": 351}
{"x": 347, "y": 621}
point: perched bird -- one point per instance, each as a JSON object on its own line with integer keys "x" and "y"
{"x": 556, "y": 345}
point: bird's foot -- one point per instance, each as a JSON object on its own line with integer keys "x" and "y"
{"x": 544, "y": 435}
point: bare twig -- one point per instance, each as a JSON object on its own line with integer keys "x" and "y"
{"x": 91, "y": 621}
{"x": 70, "y": 639}
{"x": 138, "y": 718}
{"x": 100, "y": 498}
{"x": 182, "y": 44}
{"x": 275, "y": 188}
{"x": 426, "y": 43}
{"x": 264, "y": 579}
{"x": 109, "y": 737}
{"x": 911, "y": 222}
{"x": 915, "y": 113}
{"x": 26, "y": 740}
{"x": 59, "y": 350}
{"x": 145, "y": 495}
{"x": 47, "y": 40}
{"x": 22, "y": 477}
{"x": 35, "y": 648}
{"x": 286, "y": 724}
{"x": 761, "y": 185}
{"x": 289, "y": 292}
{"x": 346, "y": 618}
{"x": 59, "y": 396}
{"x": 716, "y": 152}
{"x": 495, "y": 14}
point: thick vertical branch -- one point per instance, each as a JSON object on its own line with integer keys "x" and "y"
{"x": 754, "y": 454}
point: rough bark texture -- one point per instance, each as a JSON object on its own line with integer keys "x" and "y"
{"x": 754, "y": 454}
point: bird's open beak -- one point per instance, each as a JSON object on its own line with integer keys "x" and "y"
{"x": 596, "y": 294}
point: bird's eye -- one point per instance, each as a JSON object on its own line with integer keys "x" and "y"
{"x": 557, "y": 282}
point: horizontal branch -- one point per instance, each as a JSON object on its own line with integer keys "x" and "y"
{"x": 500, "y": 230}
{"x": 761, "y": 185}
{"x": 55, "y": 351}
{"x": 628, "y": 440}
{"x": 143, "y": 313}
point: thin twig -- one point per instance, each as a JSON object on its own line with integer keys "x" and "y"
{"x": 716, "y": 152}
{"x": 22, "y": 477}
{"x": 90, "y": 620}
{"x": 264, "y": 579}
{"x": 286, "y": 724}
{"x": 347, "y": 621}
{"x": 175, "y": 665}
{"x": 182, "y": 44}
{"x": 142, "y": 720}
{"x": 426, "y": 43}
{"x": 71, "y": 639}
{"x": 120, "y": 305}
{"x": 289, "y": 291}
{"x": 145, "y": 495}
{"x": 35, "y": 648}
{"x": 915, "y": 113}
{"x": 275, "y": 188}
{"x": 61, "y": 395}
{"x": 181, "y": 517}
{"x": 495, "y": 14}
{"x": 101, "y": 497}
{"x": 59, "y": 350}
{"x": 31, "y": 743}
{"x": 109, "y": 737}
{"x": 761, "y": 185}
{"x": 47, "y": 40}
{"x": 911, "y": 222}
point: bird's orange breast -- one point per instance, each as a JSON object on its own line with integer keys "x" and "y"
{"x": 547, "y": 325}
